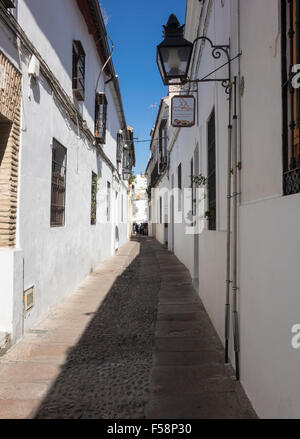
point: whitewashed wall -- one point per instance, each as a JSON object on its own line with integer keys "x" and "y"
{"x": 57, "y": 259}
{"x": 268, "y": 222}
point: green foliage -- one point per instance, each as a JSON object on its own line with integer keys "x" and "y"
{"x": 148, "y": 190}
{"x": 94, "y": 199}
{"x": 132, "y": 179}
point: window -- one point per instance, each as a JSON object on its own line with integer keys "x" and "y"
{"x": 58, "y": 184}
{"x": 162, "y": 145}
{"x": 179, "y": 187}
{"x": 291, "y": 96}
{"x": 192, "y": 188}
{"x": 108, "y": 202}
{"x": 100, "y": 117}
{"x": 9, "y": 4}
{"x": 211, "y": 172}
{"x": 126, "y": 159}
{"x": 119, "y": 147}
{"x": 78, "y": 70}
{"x": 94, "y": 190}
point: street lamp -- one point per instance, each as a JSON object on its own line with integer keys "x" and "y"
{"x": 174, "y": 56}
{"x": 126, "y": 174}
{"x": 174, "y": 53}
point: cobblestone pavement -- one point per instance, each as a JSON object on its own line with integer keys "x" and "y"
{"x": 124, "y": 345}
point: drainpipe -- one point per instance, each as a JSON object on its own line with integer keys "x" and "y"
{"x": 235, "y": 195}
{"x": 228, "y": 281}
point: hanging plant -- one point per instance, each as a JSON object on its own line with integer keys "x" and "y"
{"x": 210, "y": 214}
{"x": 199, "y": 180}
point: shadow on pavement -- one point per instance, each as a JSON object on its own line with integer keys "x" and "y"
{"x": 106, "y": 375}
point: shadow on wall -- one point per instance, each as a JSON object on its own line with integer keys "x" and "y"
{"x": 106, "y": 375}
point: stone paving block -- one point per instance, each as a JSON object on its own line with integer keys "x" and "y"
{"x": 186, "y": 344}
{"x": 176, "y": 292}
{"x": 177, "y": 309}
{"x": 207, "y": 377}
{"x": 182, "y": 317}
{"x": 17, "y": 409}
{"x": 27, "y": 371}
{"x": 22, "y": 391}
{"x": 47, "y": 353}
{"x": 189, "y": 359}
{"x": 204, "y": 406}
{"x": 183, "y": 329}
{"x": 176, "y": 276}
{"x": 185, "y": 300}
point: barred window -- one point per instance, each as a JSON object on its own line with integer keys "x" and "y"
{"x": 179, "y": 186}
{"x": 119, "y": 147}
{"x": 192, "y": 188}
{"x": 100, "y": 117}
{"x": 58, "y": 184}
{"x": 9, "y": 4}
{"x": 291, "y": 96}
{"x": 163, "y": 144}
{"x": 211, "y": 171}
{"x": 78, "y": 70}
{"x": 94, "y": 191}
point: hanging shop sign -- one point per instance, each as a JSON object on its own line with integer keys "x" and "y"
{"x": 183, "y": 111}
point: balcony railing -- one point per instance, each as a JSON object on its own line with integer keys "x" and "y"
{"x": 291, "y": 182}
{"x": 154, "y": 175}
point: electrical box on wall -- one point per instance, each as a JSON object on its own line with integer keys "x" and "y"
{"x": 34, "y": 67}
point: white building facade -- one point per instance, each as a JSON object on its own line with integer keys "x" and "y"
{"x": 265, "y": 35}
{"x": 63, "y": 197}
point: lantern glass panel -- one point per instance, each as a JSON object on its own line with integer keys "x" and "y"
{"x": 175, "y": 60}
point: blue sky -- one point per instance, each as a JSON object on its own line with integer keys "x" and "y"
{"x": 135, "y": 27}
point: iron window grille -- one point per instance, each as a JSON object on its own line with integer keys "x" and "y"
{"x": 192, "y": 189}
{"x": 94, "y": 190}
{"x": 100, "y": 117}
{"x": 179, "y": 186}
{"x": 154, "y": 175}
{"x": 9, "y": 4}
{"x": 211, "y": 165}
{"x": 126, "y": 160}
{"x": 108, "y": 202}
{"x": 290, "y": 96}
{"x": 78, "y": 70}
{"x": 162, "y": 145}
{"x": 119, "y": 148}
{"x": 58, "y": 185}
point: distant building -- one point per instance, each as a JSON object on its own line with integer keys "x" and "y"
{"x": 140, "y": 200}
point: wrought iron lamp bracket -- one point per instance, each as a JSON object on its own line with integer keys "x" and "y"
{"x": 217, "y": 51}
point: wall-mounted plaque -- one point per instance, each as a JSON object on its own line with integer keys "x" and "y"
{"x": 183, "y": 111}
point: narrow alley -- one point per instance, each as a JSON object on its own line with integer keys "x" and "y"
{"x": 132, "y": 342}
